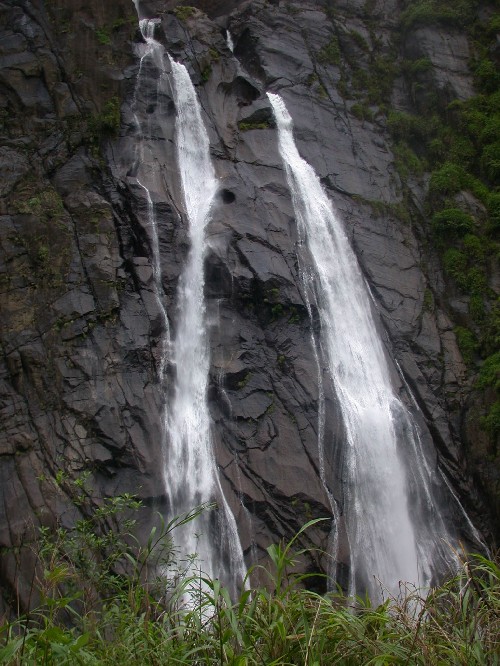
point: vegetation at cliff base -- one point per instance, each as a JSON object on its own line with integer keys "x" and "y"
{"x": 106, "y": 599}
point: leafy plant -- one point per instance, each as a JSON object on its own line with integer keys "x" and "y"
{"x": 452, "y": 222}
{"x": 330, "y": 53}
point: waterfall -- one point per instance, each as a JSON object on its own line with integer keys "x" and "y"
{"x": 190, "y": 471}
{"x": 229, "y": 41}
{"x": 390, "y": 538}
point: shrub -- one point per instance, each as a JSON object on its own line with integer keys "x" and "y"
{"x": 106, "y": 123}
{"x": 487, "y": 76}
{"x": 330, "y": 53}
{"x": 452, "y": 222}
{"x": 476, "y": 308}
{"x": 183, "y": 12}
{"x": 447, "y": 12}
{"x": 448, "y": 179}
{"x": 245, "y": 126}
{"x": 455, "y": 264}
{"x": 476, "y": 280}
{"x": 490, "y": 161}
{"x": 406, "y": 161}
{"x": 467, "y": 343}
{"x": 473, "y": 247}
{"x": 494, "y": 209}
{"x": 489, "y": 375}
{"x": 491, "y": 422}
{"x": 362, "y": 112}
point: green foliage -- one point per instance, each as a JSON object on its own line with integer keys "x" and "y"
{"x": 491, "y": 422}
{"x": 407, "y": 127}
{"x": 449, "y": 179}
{"x": 362, "y": 112}
{"x": 103, "y": 36}
{"x": 494, "y": 209}
{"x": 159, "y": 613}
{"x": 455, "y": 264}
{"x": 446, "y": 12}
{"x": 245, "y": 126}
{"x": 330, "y": 53}
{"x": 184, "y": 12}
{"x": 45, "y": 205}
{"x": 105, "y": 124}
{"x": 487, "y": 76}
{"x": 489, "y": 375}
{"x": 467, "y": 343}
{"x": 406, "y": 161}
{"x": 452, "y": 222}
{"x": 359, "y": 40}
{"x": 241, "y": 384}
{"x": 413, "y": 68}
{"x": 490, "y": 161}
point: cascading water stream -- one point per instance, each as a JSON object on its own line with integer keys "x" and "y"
{"x": 191, "y": 473}
{"x": 190, "y": 470}
{"x": 389, "y": 540}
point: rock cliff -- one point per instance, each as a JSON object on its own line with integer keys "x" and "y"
{"x": 80, "y": 324}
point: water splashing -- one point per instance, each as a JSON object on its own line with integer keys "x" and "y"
{"x": 389, "y": 540}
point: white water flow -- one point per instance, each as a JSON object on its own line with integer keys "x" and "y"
{"x": 229, "y": 41}
{"x": 389, "y": 540}
{"x": 190, "y": 471}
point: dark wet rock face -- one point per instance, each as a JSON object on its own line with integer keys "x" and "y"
{"x": 80, "y": 325}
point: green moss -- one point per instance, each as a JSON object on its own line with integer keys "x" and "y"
{"x": 214, "y": 54}
{"x": 45, "y": 205}
{"x": 103, "y": 36}
{"x": 359, "y": 40}
{"x": 184, "y": 12}
{"x": 245, "y": 126}
{"x": 241, "y": 384}
{"x": 106, "y": 123}
{"x": 330, "y": 53}
{"x": 362, "y": 112}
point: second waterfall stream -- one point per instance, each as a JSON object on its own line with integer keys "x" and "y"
{"x": 190, "y": 471}
{"x": 389, "y": 539}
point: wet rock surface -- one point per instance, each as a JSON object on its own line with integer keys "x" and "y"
{"x": 80, "y": 324}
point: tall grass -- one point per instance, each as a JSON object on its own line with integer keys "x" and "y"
{"x": 106, "y": 599}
